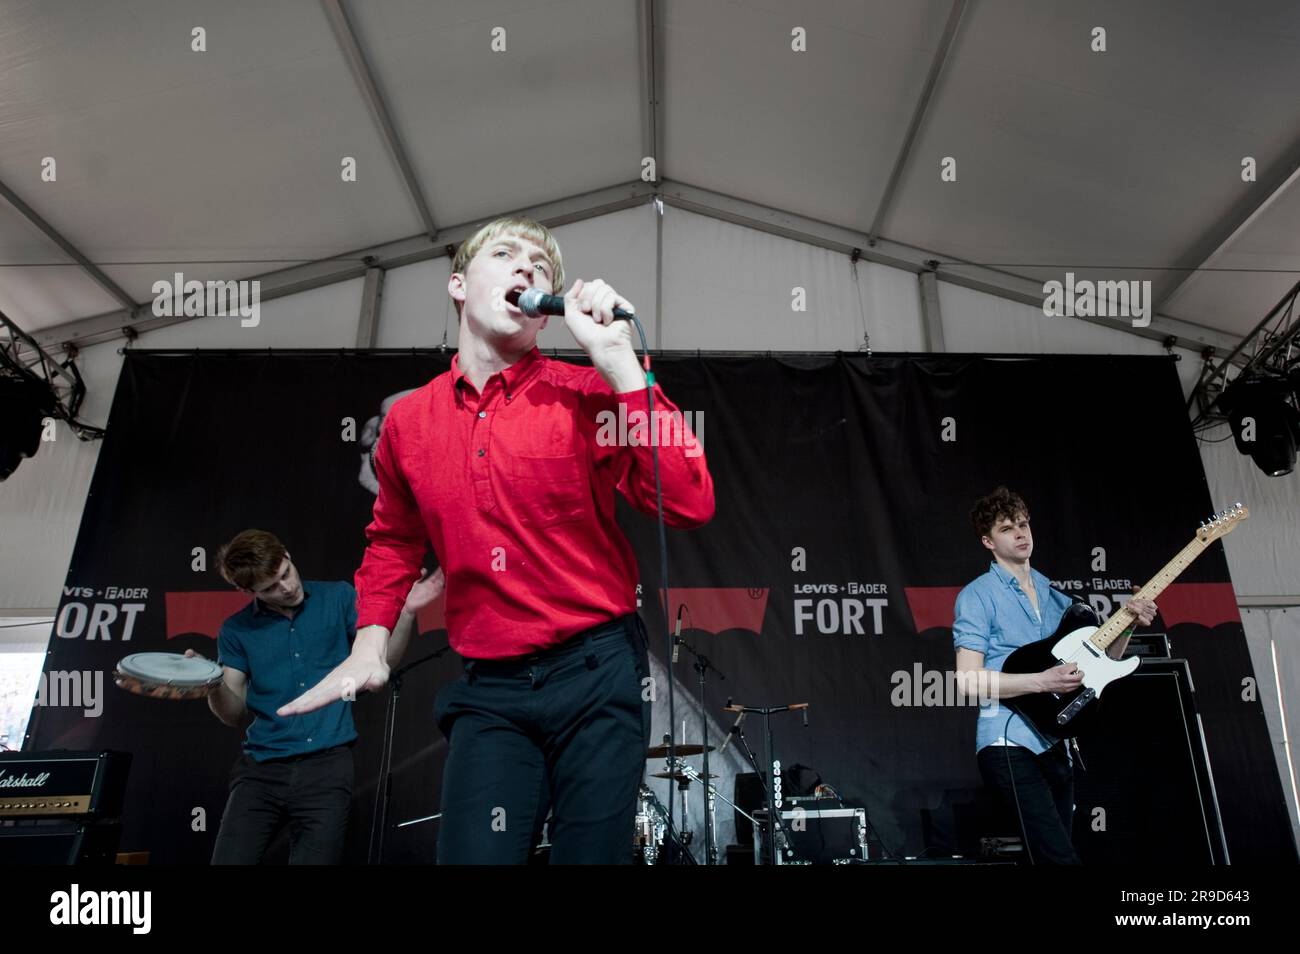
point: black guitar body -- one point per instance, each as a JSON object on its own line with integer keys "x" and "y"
{"x": 1065, "y": 715}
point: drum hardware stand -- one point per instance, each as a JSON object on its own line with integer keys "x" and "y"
{"x": 684, "y": 794}
{"x": 702, "y": 666}
{"x": 714, "y": 793}
{"x": 774, "y": 819}
{"x": 384, "y": 793}
{"x": 676, "y": 843}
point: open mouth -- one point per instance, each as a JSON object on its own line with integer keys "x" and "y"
{"x": 512, "y": 299}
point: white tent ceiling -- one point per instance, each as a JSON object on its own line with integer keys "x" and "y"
{"x": 226, "y": 163}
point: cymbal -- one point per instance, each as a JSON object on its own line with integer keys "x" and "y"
{"x": 681, "y": 748}
{"x": 677, "y": 776}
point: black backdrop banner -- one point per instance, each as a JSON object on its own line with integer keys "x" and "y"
{"x": 843, "y": 484}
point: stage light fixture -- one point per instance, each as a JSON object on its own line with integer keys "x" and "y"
{"x": 1261, "y": 409}
{"x": 25, "y": 402}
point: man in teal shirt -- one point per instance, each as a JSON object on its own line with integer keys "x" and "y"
{"x": 295, "y": 771}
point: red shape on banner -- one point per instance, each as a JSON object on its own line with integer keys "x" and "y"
{"x": 204, "y": 612}
{"x": 718, "y": 609}
{"x": 1207, "y": 604}
{"x": 932, "y": 606}
{"x": 201, "y": 613}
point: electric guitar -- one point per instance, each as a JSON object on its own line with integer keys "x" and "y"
{"x": 1081, "y": 641}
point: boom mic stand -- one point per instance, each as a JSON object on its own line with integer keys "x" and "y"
{"x": 702, "y": 666}
{"x": 384, "y": 794}
{"x": 774, "y": 820}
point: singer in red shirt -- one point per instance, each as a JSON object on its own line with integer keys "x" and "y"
{"x": 505, "y": 465}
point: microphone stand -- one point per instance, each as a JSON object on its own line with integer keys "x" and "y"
{"x": 384, "y": 793}
{"x": 702, "y": 666}
{"x": 774, "y": 819}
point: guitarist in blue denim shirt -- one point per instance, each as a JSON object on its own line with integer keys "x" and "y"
{"x": 1008, "y": 607}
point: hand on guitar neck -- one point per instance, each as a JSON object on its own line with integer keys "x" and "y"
{"x": 1143, "y": 612}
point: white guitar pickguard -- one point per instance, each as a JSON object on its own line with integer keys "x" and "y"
{"x": 1098, "y": 669}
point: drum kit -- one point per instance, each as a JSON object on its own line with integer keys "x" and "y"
{"x": 654, "y": 841}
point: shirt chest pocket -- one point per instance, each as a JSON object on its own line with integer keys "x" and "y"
{"x": 314, "y": 653}
{"x": 997, "y": 638}
{"x": 547, "y": 491}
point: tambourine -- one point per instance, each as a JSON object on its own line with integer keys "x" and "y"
{"x": 167, "y": 675}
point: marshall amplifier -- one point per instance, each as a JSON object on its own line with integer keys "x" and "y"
{"x": 60, "y": 784}
{"x": 60, "y": 808}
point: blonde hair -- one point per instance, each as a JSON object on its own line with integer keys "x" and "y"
{"x": 512, "y": 225}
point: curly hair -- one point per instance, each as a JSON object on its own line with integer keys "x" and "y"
{"x": 999, "y": 505}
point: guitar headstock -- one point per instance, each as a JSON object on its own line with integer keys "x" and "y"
{"x": 1222, "y": 523}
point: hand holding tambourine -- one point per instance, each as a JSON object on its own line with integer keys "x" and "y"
{"x": 167, "y": 675}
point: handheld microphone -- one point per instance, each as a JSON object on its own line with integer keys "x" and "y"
{"x": 534, "y": 303}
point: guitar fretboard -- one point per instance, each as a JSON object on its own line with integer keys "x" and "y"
{"x": 1124, "y": 617}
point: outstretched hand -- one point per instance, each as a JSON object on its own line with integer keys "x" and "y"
{"x": 365, "y": 670}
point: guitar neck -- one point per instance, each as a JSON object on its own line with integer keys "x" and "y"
{"x": 1118, "y": 624}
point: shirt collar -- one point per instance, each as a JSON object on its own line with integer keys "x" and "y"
{"x": 511, "y": 378}
{"x": 998, "y": 570}
{"x": 259, "y": 610}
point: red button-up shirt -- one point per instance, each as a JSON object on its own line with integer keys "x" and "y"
{"x": 514, "y": 488}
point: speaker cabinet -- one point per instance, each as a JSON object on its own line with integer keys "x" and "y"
{"x": 59, "y": 843}
{"x": 1145, "y": 791}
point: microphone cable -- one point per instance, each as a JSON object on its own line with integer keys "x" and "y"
{"x": 1006, "y": 747}
{"x": 663, "y": 575}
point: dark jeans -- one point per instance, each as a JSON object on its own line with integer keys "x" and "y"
{"x": 1044, "y": 787}
{"x": 564, "y": 730}
{"x": 310, "y": 793}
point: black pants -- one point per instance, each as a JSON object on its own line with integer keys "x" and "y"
{"x": 310, "y": 793}
{"x": 563, "y": 730}
{"x": 1044, "y": 787}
